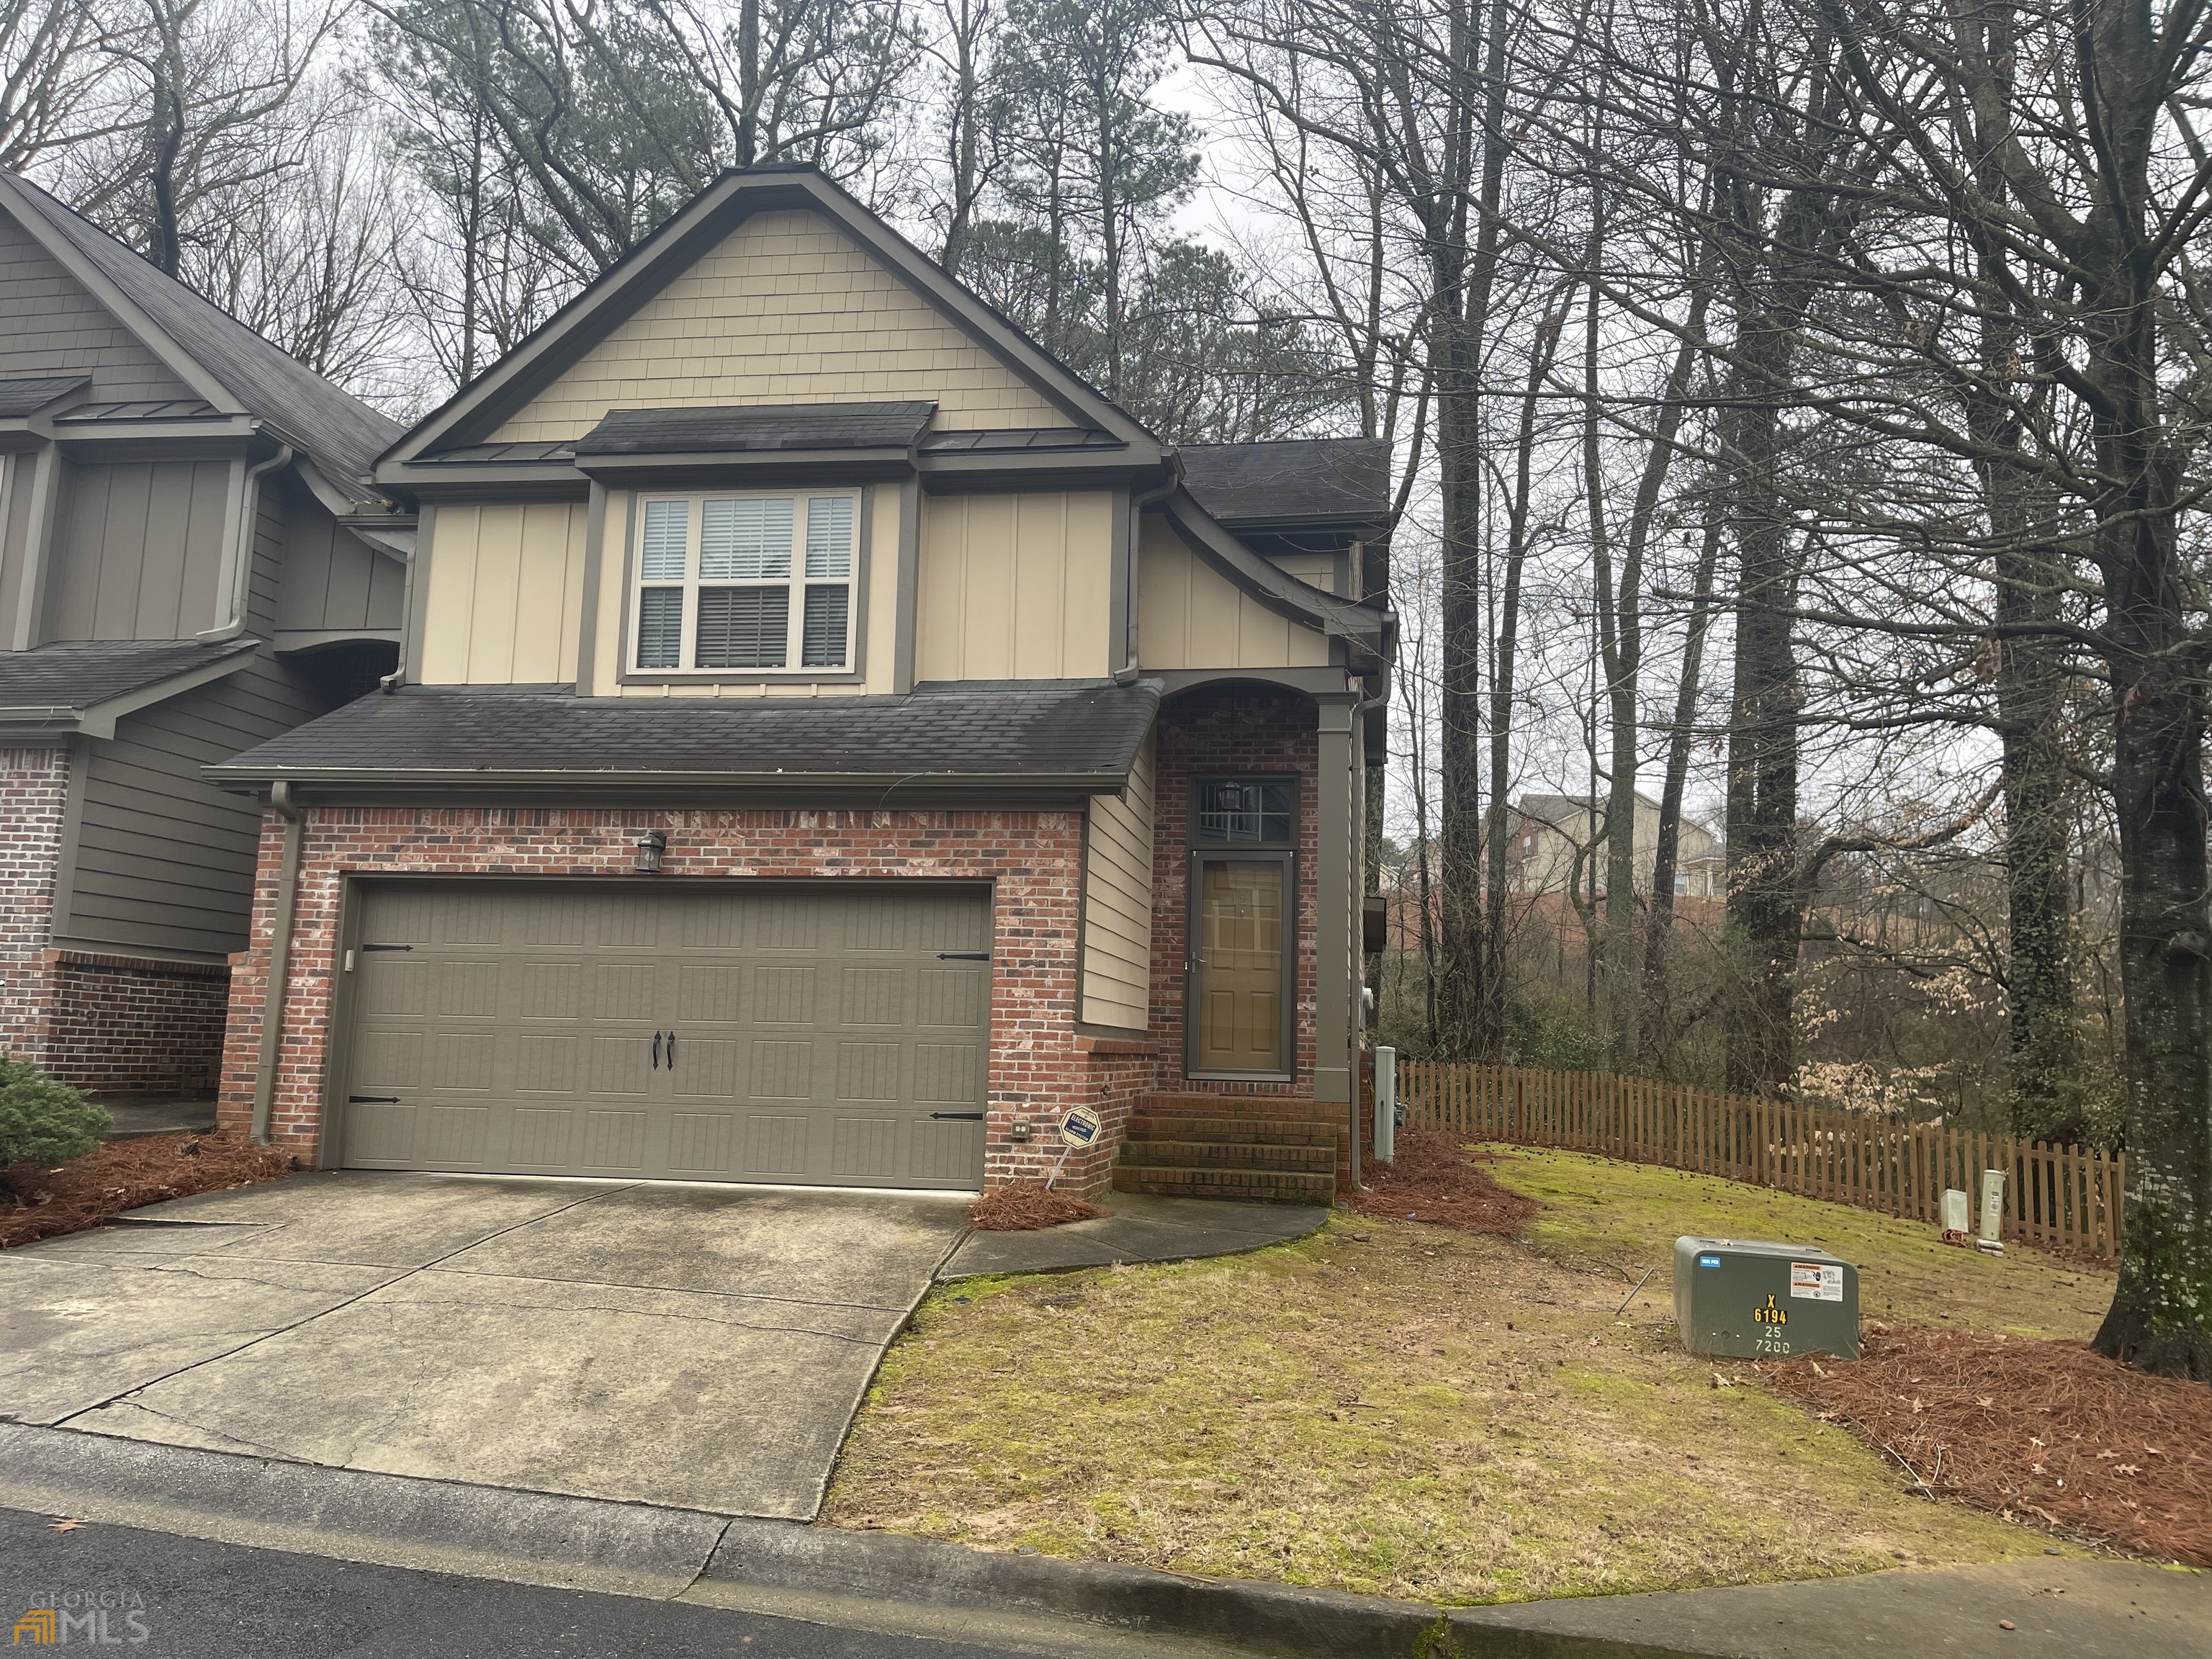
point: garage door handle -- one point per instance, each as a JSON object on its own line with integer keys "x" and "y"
{"x": 372, "y": 1100}
{"x": 965, "y": 1117}
{"x": 671, "y": 1051}
{"x": 964, "y": 956}
{"x": 656, "y": 1051}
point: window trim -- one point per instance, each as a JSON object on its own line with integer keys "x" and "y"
{"x": 863, "y": 496}
{"x": 1197, "y": 854}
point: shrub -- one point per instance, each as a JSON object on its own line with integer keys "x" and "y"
{"x": 43, "y": 1121}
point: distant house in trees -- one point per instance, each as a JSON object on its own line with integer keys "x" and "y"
{"x": 1547, "y": 832}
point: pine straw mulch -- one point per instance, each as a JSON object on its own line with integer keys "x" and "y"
{"x": 121, "y": 1174}
{"x": 2038, "y": 1430}
{"x": 1023, "y": 1206}
{"x": 1436, "y": 1179}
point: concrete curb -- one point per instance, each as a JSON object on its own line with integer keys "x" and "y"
{"x": 394, "y": 1520}
{"x": 885, "y": 1567}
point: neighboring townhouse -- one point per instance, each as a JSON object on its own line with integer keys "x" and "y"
{"x": 830, "y": 742}
{"x": 1549, "y": 833}
{"x": 185, "y": 573}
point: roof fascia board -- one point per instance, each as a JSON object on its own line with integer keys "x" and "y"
{"x": 1277, "y": 589}
{"x": 157, "y": 340}
{"x": 704, "y": 466}
{"x": 139, "y": 441}
{"x": 879, "y": 790}
{"x": 472, "y": 413}
{"x": 472, "y": 483}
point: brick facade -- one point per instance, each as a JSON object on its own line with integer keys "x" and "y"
{"x": 1033, "y": 859}
{"x": 1039, "y": 1065}
{"x": 108, "y": 1025}
{"x": 33, "y": 800}
{"x": 1220, "y": 734}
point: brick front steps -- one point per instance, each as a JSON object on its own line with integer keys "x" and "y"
{"x": 1229, "y": 1146}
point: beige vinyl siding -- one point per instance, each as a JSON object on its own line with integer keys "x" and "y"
{"x": 332, "y": 579}
{"x": 786, "y": 310}
{"x": 506, "y": 594}
{"x": 165, "y": 860}
{"x": 1015, "y": 587}
{"x": 51, "y": 325}
{"x": 137, "y": 549}
{"x": 1117, "y": 905}
{"x": 1189, "y": 615}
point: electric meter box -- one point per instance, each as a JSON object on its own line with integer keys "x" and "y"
{"x": 1745, "y": 1298}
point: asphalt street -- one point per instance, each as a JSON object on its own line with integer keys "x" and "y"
{"x": 194, "y": 1599}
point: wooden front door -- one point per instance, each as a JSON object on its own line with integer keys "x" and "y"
{"x": 1240, "y": 962}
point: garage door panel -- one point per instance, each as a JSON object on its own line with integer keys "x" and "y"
{"x": 702, "y": 1143}
{"x": 864, "y": 1147}
{"x": 782, "y": 1069}
{"x": 815, "y": 1031}
{"x": 776, "y": 1144}
{"x": 951, "y": 996}
{"x": 942, "y": 1152}
{"x": 781, "y": 996}
{"x": 872, "y": 996}
{"x": 614, "y": 1140}
{"x": 550, "y": 989}
{"x": 453, "y": 1135}
{"x": 868, "y": 1071}
{"x": 543, "y": 1137}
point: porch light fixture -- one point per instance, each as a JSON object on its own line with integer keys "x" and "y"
{"x": 650, "y": 845}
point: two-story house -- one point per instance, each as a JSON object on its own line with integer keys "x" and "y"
{"x": 186, "y": 570}
{"x": 830, "y": 741}
{"x": 1557, "y": 843}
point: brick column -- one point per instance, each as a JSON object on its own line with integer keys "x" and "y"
{"x": 33, "y": 797}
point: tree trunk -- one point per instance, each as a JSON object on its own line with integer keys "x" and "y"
{"x": 1658, "y": 1037}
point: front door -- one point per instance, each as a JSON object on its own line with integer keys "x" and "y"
{"x": 1241, "y": 963}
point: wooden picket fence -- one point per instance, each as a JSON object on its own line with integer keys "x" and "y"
{"x": 2066, "y": 1196}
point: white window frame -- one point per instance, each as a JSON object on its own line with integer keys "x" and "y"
{"x": 805, "y": 504}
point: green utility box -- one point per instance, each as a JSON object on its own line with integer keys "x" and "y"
{"x": 1745, "y": 1298}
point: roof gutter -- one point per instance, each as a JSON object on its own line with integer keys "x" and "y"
{"x": 280, "y": 956}
{"x": 238, "y": 554}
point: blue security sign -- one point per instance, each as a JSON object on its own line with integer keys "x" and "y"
{"x": 1080, "y": 1127}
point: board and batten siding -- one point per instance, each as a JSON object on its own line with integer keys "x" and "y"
{"x": 1189, "y": 615}
{"x": 506, "y": 594}
{"x": 1117, "y": 903}
{"x": 138, "y": 550}
{"x": 332, "y": 579}
{"x": 1015, "y": 587}
{"x": 787, "y": 309}
{"x": 51, "y": 325}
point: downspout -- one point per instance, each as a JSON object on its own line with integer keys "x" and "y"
{"x": 1139, "y": 500}
{"x": 280, "y": 954}
{"x": 239, "y": 560}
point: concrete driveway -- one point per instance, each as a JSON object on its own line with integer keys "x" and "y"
{"x": 699, "y": 1347}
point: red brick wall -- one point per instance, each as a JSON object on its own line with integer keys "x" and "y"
{"x": 122, "y": 1026}
{"x": 33, "y": 793}
{"x": 1224, "y": 733}
{"x": 1033, "y": 861}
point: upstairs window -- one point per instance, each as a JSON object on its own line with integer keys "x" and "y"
{"x": 744, "y": 583}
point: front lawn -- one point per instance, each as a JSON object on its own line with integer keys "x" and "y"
{"x": 1411, "y": 1411}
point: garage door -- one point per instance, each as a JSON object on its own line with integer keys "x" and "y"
{"x": 826, "y": 1032}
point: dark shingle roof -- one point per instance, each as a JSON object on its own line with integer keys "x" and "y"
{"x": 760, "y": 426}
{"x": 993, "y": 440}
{"x": 1299, "y": 481}
{"x": 343, "y": 435}
{"x": 166, "y": 409}
{"x": 1005, "y": 729}
{"x": 31, "y": 393}
{"x": 83, "y": 674}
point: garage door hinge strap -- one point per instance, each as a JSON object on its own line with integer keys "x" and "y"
{"x": 964, "y": 956}
{"x": 372, "y": 1100}
{"x": 965, "y": 1117}
{"x": 387, "y": 947}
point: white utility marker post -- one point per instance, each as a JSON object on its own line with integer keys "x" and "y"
{"x": 1386, "y": 1104}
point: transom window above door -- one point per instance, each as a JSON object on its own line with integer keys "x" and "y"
{"x": 744, "y": 583}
